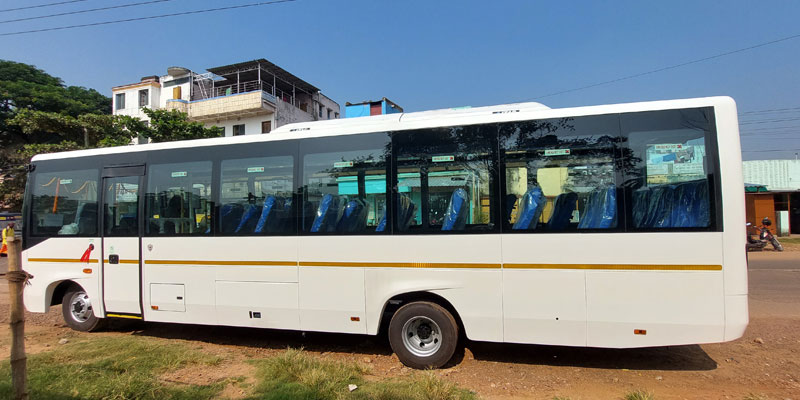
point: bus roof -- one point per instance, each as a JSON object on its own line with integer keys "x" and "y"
{"x": 401, "y": 121}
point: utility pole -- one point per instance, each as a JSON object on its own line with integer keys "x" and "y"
{"x": 16, "y": 283}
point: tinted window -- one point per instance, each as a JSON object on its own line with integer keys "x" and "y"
{"x": 344, "y": 184}
{"x": 560, "y": 174}
{"x": 121, "y": 206}
{"x": 446, "y": 179}
{"x": 256, "y": 196}
{"x": 670, "y": 164}
{"x": 65, "y": 203}
{"x": 178, "y": 199}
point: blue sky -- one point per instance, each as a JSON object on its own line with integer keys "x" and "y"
{"x": 437, "y": 54}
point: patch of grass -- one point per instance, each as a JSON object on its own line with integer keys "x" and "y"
{"x": 639, "y": 395}
{"x": 111, "y": 368}
{"x": 792, "y": 240}
{"x": 297, "y": 375}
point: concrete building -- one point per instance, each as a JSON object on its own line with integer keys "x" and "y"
{"x": 247, "y": 98}
{"x": 370, "y": 107}
{"x": 779, "y": 194}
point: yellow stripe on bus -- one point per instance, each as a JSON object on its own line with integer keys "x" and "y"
{"x": 62, "y": 260}
{"x": 222, "y": 262}
{"x": 123, "y": 316}
{"x": 395, "y": 264}
{"x": 636, "y": 267}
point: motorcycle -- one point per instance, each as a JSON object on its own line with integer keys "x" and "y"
{"x": 765, "y": 236}
{"x": 754, "y": 244}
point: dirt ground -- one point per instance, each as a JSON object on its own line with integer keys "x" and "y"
{"x": 765, "y": 362}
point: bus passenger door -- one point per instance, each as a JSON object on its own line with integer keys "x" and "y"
{"x": 121, "y": 240}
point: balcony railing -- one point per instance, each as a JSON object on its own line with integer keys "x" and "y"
{"x": 245, "y": 87}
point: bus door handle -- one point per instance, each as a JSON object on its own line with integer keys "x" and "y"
{"x": 113, "y": 258}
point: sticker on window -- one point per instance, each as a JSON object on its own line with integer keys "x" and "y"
{"x": 251, "y": 170}
{"x": 179, "y": 174}
{"x": 557, "y": 152}
{"x": 443, "y": 158}
{"x": 65, "y": 181}
{"x": 343, "y": 164}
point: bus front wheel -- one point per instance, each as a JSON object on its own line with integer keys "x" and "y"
{"x": 423, "y": 335}
{"x": 78, "y": 312}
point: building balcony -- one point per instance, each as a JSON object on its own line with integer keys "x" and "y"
{"x": 239, "y": 105}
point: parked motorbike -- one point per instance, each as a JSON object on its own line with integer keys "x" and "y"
{"x": 754, "y": 244}
{"x": 764, "y": 236}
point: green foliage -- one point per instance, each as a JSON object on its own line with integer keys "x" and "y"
{"x": 169, "y": 125}
{"x": 296, "y": 375}
{"x": 112, "y": 368}
{"x": 640, "y": 395}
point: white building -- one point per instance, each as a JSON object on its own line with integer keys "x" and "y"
{"x": 247, "y": 98}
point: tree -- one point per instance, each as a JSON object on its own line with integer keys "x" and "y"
{"x": 169, "y": 125}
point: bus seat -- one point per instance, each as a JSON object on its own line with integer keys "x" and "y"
{"x": 327, "y": 214}
{"x": 230, "y": 215}
{"x": 660, "y": 207}
{"x": 87, "y": 219}
{"x": 700, "y": 207}
{"x": 455, "y": 219}
{"x": 589, "y": 210}
{"x": 530, "y": 209}
{"x": 173, "y": 209}
{"x": 382, "y": 223}
{"x": 511, "y": 199}
{"x": 562, "y": 210}
{"x": 248, "y": 221}
{"x": 405, "y": 213}
{"x": 607, "y": 216}
{"x": 641, "y": 197}
{"x": 266, "y": 209}
{"x": 354, "y": 217}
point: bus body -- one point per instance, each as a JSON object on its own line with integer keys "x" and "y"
{"x": 605, "y": 226}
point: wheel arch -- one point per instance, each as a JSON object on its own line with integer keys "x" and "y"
{"x": 394, "y": 303}
{"x": 56, "y": 291}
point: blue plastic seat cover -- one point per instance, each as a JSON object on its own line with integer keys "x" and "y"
{"x": 600, "y": 211}
{"x": 266, "y": 209}
{"x": 230, "y": 214}
{"x": 247, "y": 223}
{"x": 562, "y": 211}
{"x": 530, "y": 209}
{"x": 455, "y": 218}
{"x": 354, "y": 217}
{"x": 327, "y": 214}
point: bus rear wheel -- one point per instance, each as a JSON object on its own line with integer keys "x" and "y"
{"x": 76, "y": 307}
{"x": 423, "y": 335}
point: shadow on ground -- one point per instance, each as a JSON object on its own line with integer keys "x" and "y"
{"x": 671, "y": 358}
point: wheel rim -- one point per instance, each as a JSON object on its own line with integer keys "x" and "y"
{"x": 80, "y": 307}
{"x": 422, "y": 336}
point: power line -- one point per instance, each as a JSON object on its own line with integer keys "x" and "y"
{"x": 263, "y": 3}
{"x": 83, "y": 11}
{"x": 770, "y": 110}
{"x": 768, "y": 121}
{"x": 768, "y": 151}
{"x": 41, "y": 5}
{"x": 699, "y": 60}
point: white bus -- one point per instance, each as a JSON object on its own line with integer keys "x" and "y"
{"x": 606, "y": 226}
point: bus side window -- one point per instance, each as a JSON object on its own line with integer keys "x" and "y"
{"x": 446, "y": 179}
{"x": 560, "y": 174}
{"x": 344, "y": 184}
{"x": 671, "y": 164}
{"x": 64, "y": 203}
{"x": 178, "y": 199}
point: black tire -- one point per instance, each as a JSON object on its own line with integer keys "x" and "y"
{"x": 423, "y": 335}
{"x": 776, "y": 244}
{"x": 77, "y": 311}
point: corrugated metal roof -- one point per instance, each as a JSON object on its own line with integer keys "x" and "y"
{"x": 776, "y": 175}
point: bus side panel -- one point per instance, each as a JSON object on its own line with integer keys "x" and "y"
{"x": 392, "y": 265}
{"x": 225, "y": 280}
{"x": 736, "y": 309}
{"x": 58, "y": 259}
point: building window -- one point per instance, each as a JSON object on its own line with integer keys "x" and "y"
{"x": 238, "y": 130}
{"x": 143, "y": 97}
{"x": 336, "y": 115}
{"x": 329, "y": 113}
{"x": 119, "y": 103}
{"x": 266, "y": 126}
{"x": 320, "y": 110}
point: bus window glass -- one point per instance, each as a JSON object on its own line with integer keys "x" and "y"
{"x": 345, "y": 189}
{"x": 446, "y": 179}
{"x": 65, "y": 203}
{"x": 178, "y": 199}
{"x": 121, "y": 206}
{"x": 560, "y": 174}
{"x": 670, "y": 161}
{"x": 256, "y": 196}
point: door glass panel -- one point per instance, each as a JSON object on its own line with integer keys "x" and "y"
{"x": 121, "y": 206}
